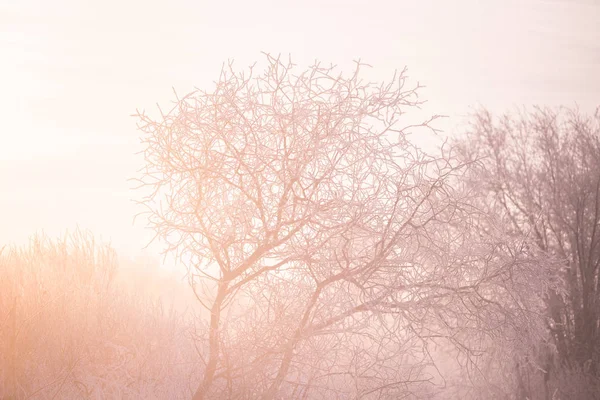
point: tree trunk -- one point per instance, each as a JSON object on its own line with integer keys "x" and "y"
{"x": 214, "y": 339}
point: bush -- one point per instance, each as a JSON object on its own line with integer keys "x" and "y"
{"x": 70, "y": 329}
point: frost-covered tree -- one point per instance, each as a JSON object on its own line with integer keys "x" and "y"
{"x": 540, "y": 172}
{"x": 332, "y": 255}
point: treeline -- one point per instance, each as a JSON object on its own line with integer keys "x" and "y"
{"x": 72, "y": 328}
{"x": 331, "y": 256}
{"x": 540, "y": 172}
{"x": 339, "y": 260}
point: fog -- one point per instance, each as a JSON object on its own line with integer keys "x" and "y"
{"x": 83, "y": 87}
{"x": 73, "y": 73}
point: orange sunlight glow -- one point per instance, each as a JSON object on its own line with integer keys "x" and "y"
{"x": 316, "y": 199}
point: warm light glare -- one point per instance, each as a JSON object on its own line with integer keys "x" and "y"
{"x": 308, "y": 227}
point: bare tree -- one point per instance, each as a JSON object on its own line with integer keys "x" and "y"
{"x": 541, "y": 172}
{"x": 332, "y": 255}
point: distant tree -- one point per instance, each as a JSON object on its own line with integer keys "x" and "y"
{"x": 333, "y": 255}
{"x": 541, "y": 173}
{"x": 72, "y": 327}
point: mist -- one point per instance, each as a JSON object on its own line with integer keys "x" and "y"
{"x": 300, "y": 200}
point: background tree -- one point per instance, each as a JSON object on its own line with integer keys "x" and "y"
{"x": 541, "y": 173}
{"x": 333, "y": 256}
{"x": 72, "y": 326}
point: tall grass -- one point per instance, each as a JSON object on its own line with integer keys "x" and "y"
{"x": 70, "y": 329}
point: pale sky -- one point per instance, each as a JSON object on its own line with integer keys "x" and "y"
{"x": 72, "y": 73}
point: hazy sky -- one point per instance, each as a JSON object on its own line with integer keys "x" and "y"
{"x": 71, "y": 73}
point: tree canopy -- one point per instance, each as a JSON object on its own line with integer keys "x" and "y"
{"x": 333, "y": 256}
